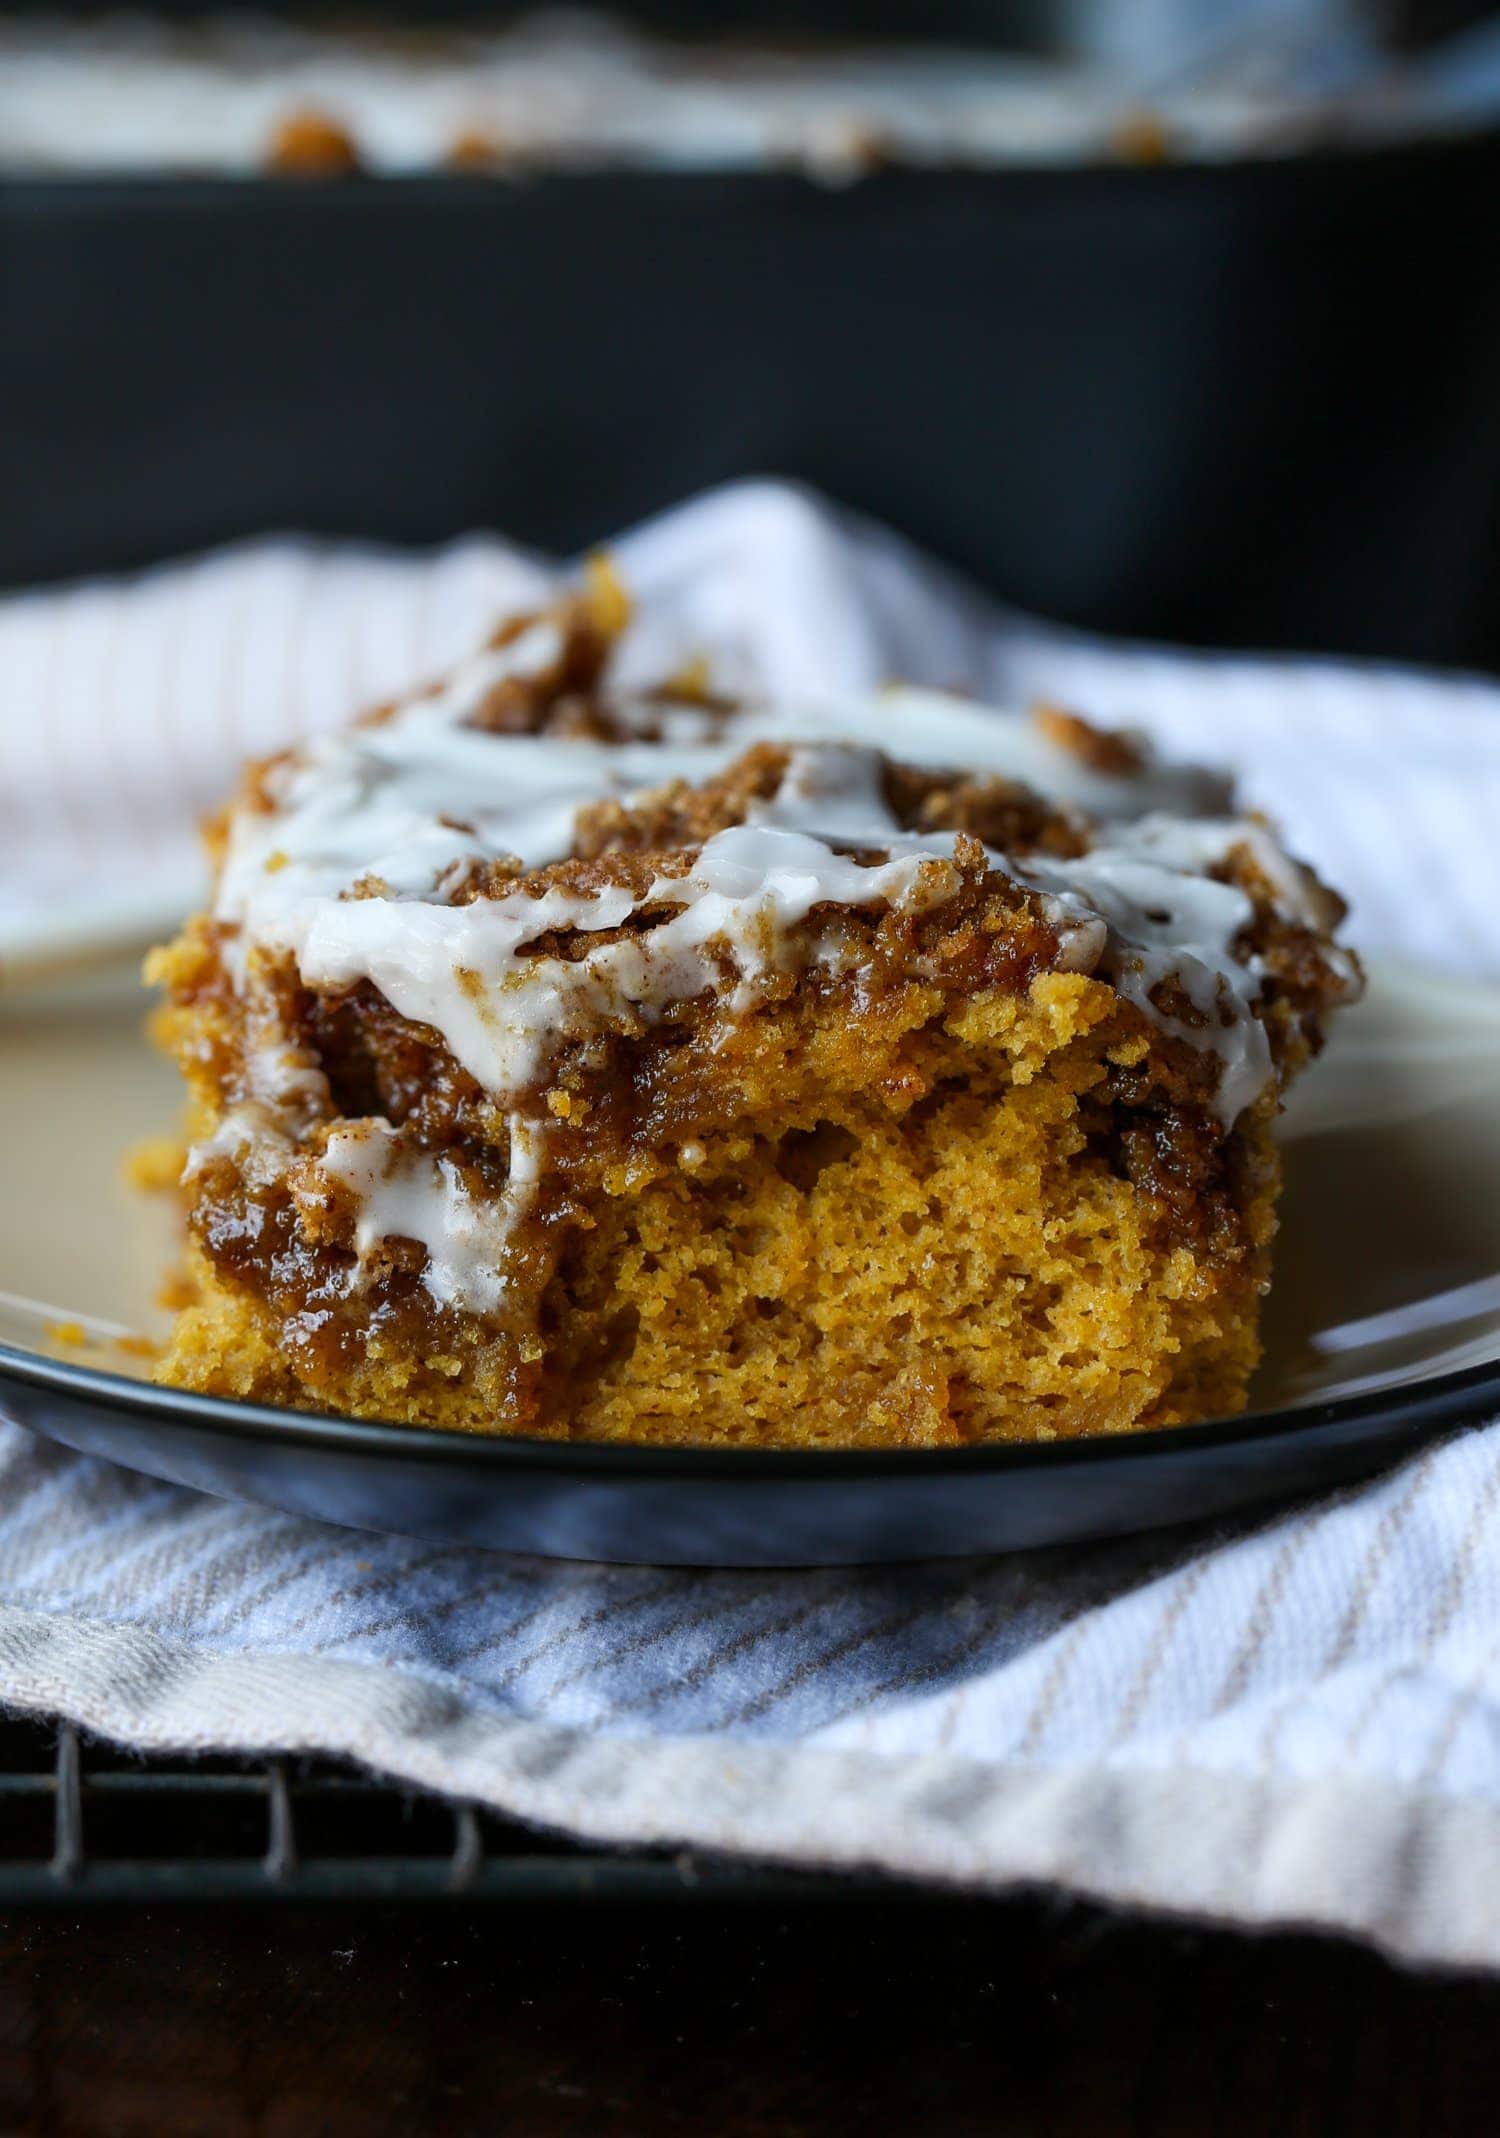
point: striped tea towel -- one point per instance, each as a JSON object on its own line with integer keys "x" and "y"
{"x": 1295, "y": 1720}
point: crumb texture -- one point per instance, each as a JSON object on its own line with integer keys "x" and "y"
{"x": 921, "y": 1243}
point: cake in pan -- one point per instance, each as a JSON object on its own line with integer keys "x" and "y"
{"x": 644, "y": 1067}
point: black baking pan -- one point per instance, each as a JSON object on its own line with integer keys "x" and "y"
{"x": 1249, "y": 403}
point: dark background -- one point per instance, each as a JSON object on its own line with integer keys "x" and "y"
{"x": 1255, "y": 405}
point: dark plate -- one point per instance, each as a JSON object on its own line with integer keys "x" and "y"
{"x": 1384, "y": 1331}
{"x": 715, "y": 1507}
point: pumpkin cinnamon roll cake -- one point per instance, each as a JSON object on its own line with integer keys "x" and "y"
{"x": 643, "y": 1067}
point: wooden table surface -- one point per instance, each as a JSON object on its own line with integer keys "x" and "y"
{"x": 876, "y": 2017}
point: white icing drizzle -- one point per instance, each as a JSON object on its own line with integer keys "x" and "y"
{"x": 253, "y": 1134}
{"x": 1167, "y": 921}
{"x": 414, "y": 799}
{"x": 414, "y": 1195}
{"x": 353, "y": 872}
{"x": 932, "y": 727}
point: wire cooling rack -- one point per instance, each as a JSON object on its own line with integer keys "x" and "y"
{"x": 81, "y": 1822}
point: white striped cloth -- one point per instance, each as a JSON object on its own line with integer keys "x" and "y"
{"x": 1290, "y": 1720}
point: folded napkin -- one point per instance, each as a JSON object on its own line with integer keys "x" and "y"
{"x": 1291, "y": 1720}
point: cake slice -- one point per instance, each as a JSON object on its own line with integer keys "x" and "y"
{"x": 641, "y": 1067}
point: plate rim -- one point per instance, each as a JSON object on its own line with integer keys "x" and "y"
{"x": 1452, "y": 1398}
